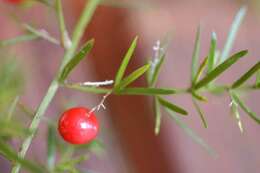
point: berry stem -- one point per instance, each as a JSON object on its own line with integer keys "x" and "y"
{"x": 101, "y": 104}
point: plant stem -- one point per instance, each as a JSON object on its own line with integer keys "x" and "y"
{"x": 64, "y": 36}
{"x": 41, "y": 33}
{"x": 217, "y": 89}
{"x": 90, "y": 7}
{"x": 79, "y": 30}
{"x": 36, "y": 120}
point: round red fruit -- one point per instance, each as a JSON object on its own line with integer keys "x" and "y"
{"x": 78, "y": 126}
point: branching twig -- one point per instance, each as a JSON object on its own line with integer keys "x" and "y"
{"x": 41, "y": 33}
{"x": 101, "y": 104}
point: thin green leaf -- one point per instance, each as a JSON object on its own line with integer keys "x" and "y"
{"x": 172, "y": 106}
{"x": 146, "y": 91}
{"x": 42, "y": 34}
{"x": 125, "y": 62}
{"x": 257, "y": 82}
{"x": 26, "y": 110}
{"x": 191, "y": 133}
{"x": 158, "y": 116}
{"x": 217, "y": 89}
{"x": 76, "y": 59}
{"x": 232, "y": 33}
{"x": 235, "y": 112}
{"x": 202, "y": 117}
{"x": 132, "y": 77}
{"x": 12, "y": 108}
{"x": 51, "y": 148}
{"x": 212, "y": 50}
{"x": 158, "y": 59}
{"x": 12, "y": 129}
{"x": 242, "y": 105}
{"x": 10, "y": 154}
{"x": 11, "y": 78}
{"x": 156, "y": 70}
{"x": 195, "y": 55}
{"x": 220, "y": 69}
{"x": 198, "y": 97}
{"x": 95, "y": 90}
{"x": 247, "y": 75}
{"x": 70, "y": 163}
{"x": 18, "y": 39}
{"x": 95, "y": 146}
{"x": 200, "y": 70}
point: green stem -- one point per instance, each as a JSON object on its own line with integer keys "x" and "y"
{"x": 41, "y": 33}
{"x": 36, "y": 120}
{"x": 64, "y": 36}
{"x": 77, "y": 34}
{"x": 219, "y": 88}
{"x": 79, "y": 30}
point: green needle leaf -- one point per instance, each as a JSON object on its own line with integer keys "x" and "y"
{"x": 76, "y": 59}
{"x": 158, "y": 116}
{"x": 212, "y": 50}
{"x": 155, "y": 68}
{"x": 242, "y": 105}
{"x": 232, "y": 33}
{"x": 202, "y": 117}
{"x": 125, "y": 62}
{"x": 200, "y": 70}
{"x": 220, "y": 69}
{"x": 199, "y": 97}
{"x": 247, "y": 75}
{"x": 257, "y": 82}
{"x": 41, "y": 33}
{"x": 69, "y": 164}
{"x": 195, "y": 55}
{"x": 12, "y": 108}
{"x": 172, "y": 107}
{"x": 12, "y": 129}
{"x": 146, "y": 91}
{"x": 10, "y": 154}
{"x": 191, "y": 133}
{"x": 132, "y": 77}
{"x": 51, "y": 150}
{"x": 235, "y": 112}
{"x": 95, "y": 146}
{"x": 160, "y": 52}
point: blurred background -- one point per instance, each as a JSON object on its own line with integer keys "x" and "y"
{"x": 127, "y": 125}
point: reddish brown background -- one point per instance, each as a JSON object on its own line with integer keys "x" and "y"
{"x": 128, "y": 121}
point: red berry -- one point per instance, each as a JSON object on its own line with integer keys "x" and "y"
{"x": 78, "y": 126}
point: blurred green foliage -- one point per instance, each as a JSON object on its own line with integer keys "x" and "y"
{"x": 11, "y": 81}
{"x": 11, "y": 85}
